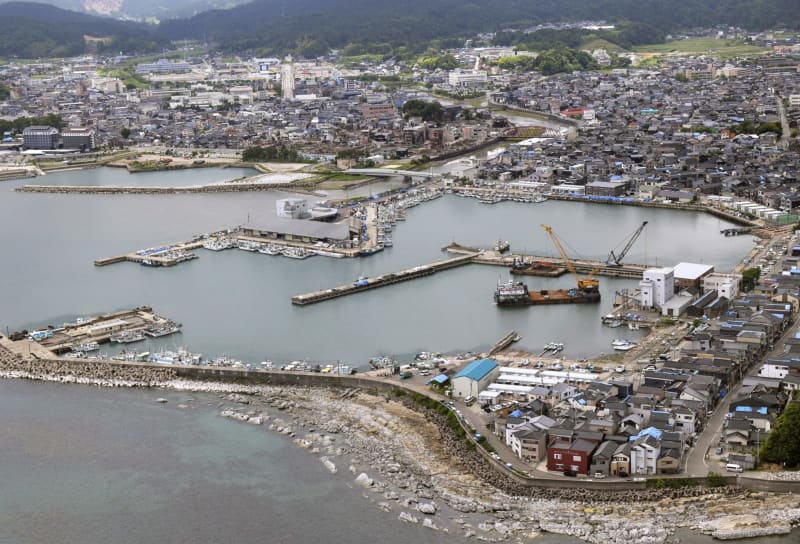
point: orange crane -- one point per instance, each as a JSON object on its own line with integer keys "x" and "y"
{"x": 587, "y": 284}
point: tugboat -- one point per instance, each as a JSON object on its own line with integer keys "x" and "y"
{"x": 512, "y": 293}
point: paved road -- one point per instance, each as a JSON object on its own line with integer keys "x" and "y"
{"x": 786, "y": 131}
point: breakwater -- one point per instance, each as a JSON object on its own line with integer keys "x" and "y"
{"x": 467, "y": 451}
{"x": 242, "y": 187}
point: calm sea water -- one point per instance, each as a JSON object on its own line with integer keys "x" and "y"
{"x": 238, "y": 303}
{"x": 87, "y": 465}
{"x": 121, "y": 177}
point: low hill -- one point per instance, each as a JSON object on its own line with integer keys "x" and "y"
{"x": 34, "y": 30}
{"x": 311, "y": 27}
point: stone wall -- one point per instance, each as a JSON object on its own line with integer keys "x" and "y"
{"x": 477, "y": 460}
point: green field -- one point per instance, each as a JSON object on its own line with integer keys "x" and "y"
{"x": 599, "y": 43}
{"x": 707, "y": 46}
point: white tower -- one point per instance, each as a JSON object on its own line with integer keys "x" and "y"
{"x": 287, "y": 79}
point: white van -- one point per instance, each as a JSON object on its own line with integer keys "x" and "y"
{"x": 733, "y": 467}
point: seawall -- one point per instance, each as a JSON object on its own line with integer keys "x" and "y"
{"x": 478, "y": 460}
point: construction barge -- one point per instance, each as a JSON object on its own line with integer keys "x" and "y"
{"x": 522, "y": 267}
{"x": 516, "y": 293}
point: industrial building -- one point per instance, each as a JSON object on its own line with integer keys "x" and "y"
{"x": 162, "y": 66}
{"x": 300, "y": 231}
{"x": 474, "y": 378}
{"x": 690, "y": 275}
{"x": 78, "y": 138}
{"x": 292, "y": 208}
{"x": 727, "y": 285}
{"x": 40, "y": 137}
{"x": 657, "y": 287}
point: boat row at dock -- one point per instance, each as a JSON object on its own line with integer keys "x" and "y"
{"x": 495, "y": 196}
{"x": 127, "y": 336}
{"x": 86, "y": 334}
{"x": 265, "y": 248}
{"x": 632, "y": 320}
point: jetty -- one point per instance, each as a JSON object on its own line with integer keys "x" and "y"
{"x": 166, "y": 255}
{"x": 582, "y": 266}
{"x": 99, "y": 329}
{"x": 466, "y": 255}
{"x": 366, "y": 284}
{"x": 504, "y": 342}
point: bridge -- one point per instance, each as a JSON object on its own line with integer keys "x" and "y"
{"x": 389, "y": 172}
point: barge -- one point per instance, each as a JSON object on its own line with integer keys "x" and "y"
{"x": 516, "y": 293}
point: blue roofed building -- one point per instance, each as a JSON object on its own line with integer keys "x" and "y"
{"x": 475, "y": 377}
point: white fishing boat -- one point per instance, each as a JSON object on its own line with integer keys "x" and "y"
{"x": 127, "y": 337}
{"x": 88, "y": 346}
{"x": 623, "y": 345}
{"x": 296, "y": 252}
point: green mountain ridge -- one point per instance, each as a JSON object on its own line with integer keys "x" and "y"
{"x": 141, "y": 10}
{"x": 312, "y": 27}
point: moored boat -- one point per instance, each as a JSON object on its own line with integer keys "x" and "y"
{"x": 127, "y": 337}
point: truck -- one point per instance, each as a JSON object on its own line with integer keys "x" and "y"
{"x": 405, "y": 374}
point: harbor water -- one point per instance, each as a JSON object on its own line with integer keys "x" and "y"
{"x": 119, "y": 177}
{"x": 81, "y": 464}
{"x": 237, "y": 303}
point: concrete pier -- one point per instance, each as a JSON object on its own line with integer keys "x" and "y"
{"x": 365, "y": 284}
{"x": 582, "y": 266}
{"x": 166, "y": 255}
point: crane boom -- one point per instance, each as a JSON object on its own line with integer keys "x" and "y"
{"x": 616, "y": 260}
{"x": 587, "y": 283}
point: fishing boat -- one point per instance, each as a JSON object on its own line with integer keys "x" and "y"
{"x": 296, "y": 253}
{"x": 248, "y": 245}
{"x": 166, "y": 328}
{"x": 270, "y": 249}
{"x": 127, "y": 337}
{"x": 88, "y": 346}
{"x": 501, "y": 246}
{"x": 623, "y": 345}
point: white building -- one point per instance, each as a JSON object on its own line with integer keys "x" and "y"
{"x": 773, "y": 370}
{"x": 727, "y": 285}
{"x": 467, "y": 78}
{"x": 644, "y": 455}
{"x": 287, "y": 79}
{"x": 292, "y": 208}
{"x": 657, "y": 287}
{"x": 474, "y": 378}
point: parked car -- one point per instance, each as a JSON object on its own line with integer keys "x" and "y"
{"x": 570, "y": 473}
{"x": 599, "y": 475}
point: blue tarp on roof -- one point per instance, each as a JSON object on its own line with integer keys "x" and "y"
{"x": 441, "y": 379}
{"x": 651, "y": 431}
{"x": 744, "y": 409}
{"x": 477, "y": 370}
{"x": 516, "y": 413}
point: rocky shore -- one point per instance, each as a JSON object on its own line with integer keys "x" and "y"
{"x": 410, "y": 465}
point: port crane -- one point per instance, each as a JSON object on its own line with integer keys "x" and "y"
{"x": 587, "y": 284}
{"x": 616, "y": 260}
